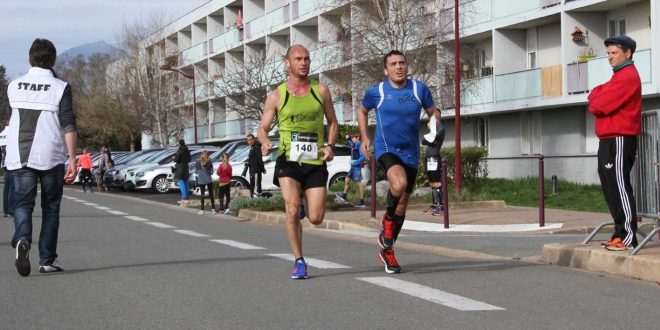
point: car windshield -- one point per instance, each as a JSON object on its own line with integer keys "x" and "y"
{"x": 147, "y": 154}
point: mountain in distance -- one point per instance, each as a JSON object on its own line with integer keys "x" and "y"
{"x": 89, "y": 49}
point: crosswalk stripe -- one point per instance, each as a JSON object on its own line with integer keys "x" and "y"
{"x": 190, "y": 233}
{"x": 117, "y": 212}
{"x": 238, "y": 245}
{"x": 317, "y": 263}
{"x": 160, "y": 225}
{"x": 135, "y": 218}
{"x": 427, "y": 293}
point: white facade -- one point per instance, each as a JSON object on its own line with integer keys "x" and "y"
{"x": 528, "y": 85}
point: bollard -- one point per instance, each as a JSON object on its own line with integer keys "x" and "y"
{"x": 554, "y": 185}
{"x": 373, "y": 186}
{"x": 541, "y": 193}
{"x": 445, "y": 193}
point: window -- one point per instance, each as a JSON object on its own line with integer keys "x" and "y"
{"x": 616, "y": 27}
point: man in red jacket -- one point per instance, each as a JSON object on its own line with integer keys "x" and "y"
{"x": 617, "y": 106}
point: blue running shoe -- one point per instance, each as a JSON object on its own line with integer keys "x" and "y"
{"x": 299, "y": 269}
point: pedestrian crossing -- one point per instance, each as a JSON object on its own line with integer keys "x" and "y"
{"x": 419, "y": 291}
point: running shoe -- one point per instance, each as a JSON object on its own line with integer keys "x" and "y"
{"x": 386, "y": 236}
{"x": 389, "y": 260}
{"x": 226, "y": 211}
{"x": 616, "y": 245}
{"x": 360, "y": 204}
{"x": 606, "y": 243}
{"x": 299, "y": 269}
{"x": 23, "y": 257}
{"x": 342, "y": 196}
{"x": 200, "y": 212}
{"x": 52, "y": 268}
{"x": 437, "y": 211}
{"x": 214, "y": 210}
{"x": 430, "y": 209}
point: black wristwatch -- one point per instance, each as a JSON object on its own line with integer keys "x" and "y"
{"x": 332, "y": 146}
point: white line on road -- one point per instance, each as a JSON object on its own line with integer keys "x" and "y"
{"x": 91, "y": 204}
{"x": 190, "y": 233}
{"x": 69, "y": 197}
{"x": 102, "y": 208}
{"x": 318, "y": 263}
{"x": 160, "y": 225}
{"x": 238, "y": 245}
{"x": 438, "y": 227}
{"x": 434, "y": 295}
{"x": 117, "y": 212}
{"x": 80, "y": 200}
{"x": 135, "y": 218}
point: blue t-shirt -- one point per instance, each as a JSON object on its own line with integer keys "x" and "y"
{"x": 398, "y": 118}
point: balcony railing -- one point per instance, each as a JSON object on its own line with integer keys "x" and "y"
{"x": 474, "y": 12}
{"x": 518, "y": 85}
{"x": 193, "y": 54}
{"x": 328, "y": 57}
{"x": 255, "y": 26}
{"x": 576, "y": 78}
{"x": 229, "y": 128}
{"x": 345, "y": 112}
{"x": 278, "y": 17}
{"x": 600, "y": 71}
{"x": 230, "y": 84}
{"x": 226, "y": 40}
{"x": 505, "y": 8}
{"x": 189, "y": 133}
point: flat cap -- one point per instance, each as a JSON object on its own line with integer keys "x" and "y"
{"x": 624, "y": 41}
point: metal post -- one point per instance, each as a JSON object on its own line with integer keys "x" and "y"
{"x": 373, "y": 186}
{"x": 445, "y": 194}
{"x": 541, "y": 193}
{"x": 194, "y": 106}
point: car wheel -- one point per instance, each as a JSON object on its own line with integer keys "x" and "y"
{"x": 159, "y": 185}
{"x": 337, "y": 178}
{"x": 239, "y": 182}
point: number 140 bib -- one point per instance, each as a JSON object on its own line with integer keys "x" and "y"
{"x": 304, "y": 146}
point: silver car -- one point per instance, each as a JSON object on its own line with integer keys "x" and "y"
{"x": 155, "y": 177}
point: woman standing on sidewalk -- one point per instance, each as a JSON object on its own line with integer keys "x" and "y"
{"x": 181, "y": 171}
{"x": 224, "y": 172}
{"x": 204, "y": 170}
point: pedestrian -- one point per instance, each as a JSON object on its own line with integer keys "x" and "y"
{"x": 224, "y": 173}
{"x": 8, "y": 195}
{"x": 617, "y": 106}
{"x": 434, "y": 141}
{"x": 255, "y": 164}
{"x": 181, "y": 171}
{"x": 300, "y": 105}
{"x": 85, "y": 169}
{"x": 103, "y": 164}
{"x": 398, "y": 102}
{"x": 357, "y": 162}
{"x": 41, "y": 134}
{"x": 204, "y": 170}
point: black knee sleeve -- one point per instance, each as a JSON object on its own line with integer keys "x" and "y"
{"x": 437, "y": 199}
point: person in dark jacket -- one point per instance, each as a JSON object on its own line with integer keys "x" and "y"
{"x": 255, "y": 164}
{"x": 617, "y": 106}
{"x": 433, "y": 169}
{"x": 181, "y": 171}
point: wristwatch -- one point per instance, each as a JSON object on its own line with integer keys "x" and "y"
{"x": 332, "y": 146}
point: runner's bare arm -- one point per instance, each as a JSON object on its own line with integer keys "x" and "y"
{"x": 362, "y": 116}
{"x": 270, "y": 110}
{"x": 331, "y": 117}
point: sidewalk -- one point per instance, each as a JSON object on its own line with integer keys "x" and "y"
{"x": 496, "y": 218}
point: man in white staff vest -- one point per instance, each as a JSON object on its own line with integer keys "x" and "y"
{"x": 41, "y": 133}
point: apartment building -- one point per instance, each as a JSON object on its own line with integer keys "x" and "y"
{"x": 526, "y": 67}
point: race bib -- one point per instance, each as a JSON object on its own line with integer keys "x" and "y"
{"x": 432, "y": 164}
{"x": 303, "y": 146}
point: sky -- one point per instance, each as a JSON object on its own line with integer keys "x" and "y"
{"x": 71, "y": 23}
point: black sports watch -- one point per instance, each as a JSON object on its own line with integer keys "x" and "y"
{"x": 332, "y": 146}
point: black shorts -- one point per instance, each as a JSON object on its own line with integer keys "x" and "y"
{"x": 434, "y": 176}
{"x": 309, "y": 176}
{"x": 388, "y": 160}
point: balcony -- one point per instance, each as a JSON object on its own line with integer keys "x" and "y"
{"x": 278, "y": 17}
{"x": 230, "y": 128}
{"x": 473, "y": 13}
{"x": 504, "y": 8}
{"x": 302, "y": 8}
{"x": 193, "y": 54}
{"x": 255, "y": 27}
{"x": 230, "y": 84}
{"x": 189, "y": 133}
{"x": 328, "y": 57}
{"x": 599, "y": 69}
{"x": 576, "y": 78}
{"x": 344, "y": 112}
{"x": 518, "y": 85}
{"x": 225, "y": 41}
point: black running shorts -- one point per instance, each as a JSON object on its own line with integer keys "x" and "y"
{"x": 309, "y": 176}
{"x": 388, "y": 160}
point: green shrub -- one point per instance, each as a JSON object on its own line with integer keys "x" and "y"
{"x": 276, "y": 202}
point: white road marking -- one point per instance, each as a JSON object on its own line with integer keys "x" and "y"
{"x": 135, "y": 218}
{"x": 160, "y": 225}
{"x": 68, "y": 197}
{"x": 117, "y": 212}
{"x": 190, "y": 233}
{"x": 102, "y": 208}
{"x": 238, "y": 245}
{"x": 91, "y": 204}
{"x": 433, "y": 295}
{"x": 317, "y": 263}
{"x": 439, "y": 227}
{"x": 80, "y": 200}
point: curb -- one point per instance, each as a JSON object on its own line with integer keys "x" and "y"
{"x": 595, "y": 258}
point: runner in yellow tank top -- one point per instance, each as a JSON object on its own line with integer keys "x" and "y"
{"x": 300, "y": 105}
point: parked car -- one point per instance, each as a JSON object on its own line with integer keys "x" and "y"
{"x": 113, "y": 178}
{"x": 155, "y": 177}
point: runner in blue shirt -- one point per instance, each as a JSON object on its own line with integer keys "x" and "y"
{"x": 398, "y": 102}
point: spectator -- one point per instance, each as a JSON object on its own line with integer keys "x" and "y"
{"x": 224, "y": 172}
{"x": 8, "y": 195}
{"x": 256, "y": 166}
{"x": 85, "y": 169}
{"x": 204, "y": 169}
{"x": 102, "y": 165}
{"x": 358, "y": 160}
{"x": 181, "y": 171}
{"x": 433, "y": 169}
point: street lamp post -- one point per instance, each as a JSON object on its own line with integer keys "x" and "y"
{"x": 168, "y": 67}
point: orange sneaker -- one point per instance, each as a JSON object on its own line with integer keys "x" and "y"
{"x": 606, "y": 243}
{"x": 616, "y": 245}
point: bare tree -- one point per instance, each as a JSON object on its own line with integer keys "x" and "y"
{"x": 5, "y": 110}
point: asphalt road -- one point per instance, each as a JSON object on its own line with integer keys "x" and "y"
{"x": 135, "y": 264}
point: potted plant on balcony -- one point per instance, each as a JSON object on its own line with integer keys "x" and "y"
{"x": 586, "y": 54}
